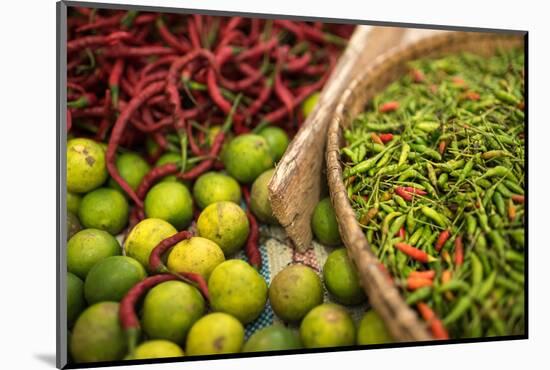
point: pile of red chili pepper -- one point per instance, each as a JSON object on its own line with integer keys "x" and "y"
{"x": 136, "y": 78}
{"x": 435, "y": 172}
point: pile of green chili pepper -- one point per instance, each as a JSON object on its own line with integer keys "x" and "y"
{"x": 434, "y": 169}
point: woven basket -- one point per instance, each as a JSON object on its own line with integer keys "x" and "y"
{"x": 400, "y": 319}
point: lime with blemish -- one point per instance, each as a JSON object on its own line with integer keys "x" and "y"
{"x": 238, "y": 289}
{"x": 75, "y": 298}
{"x": 170, "y": 201}
{"x": 105, "y": 209}
{"x": 197, "y": 255}
{"x": 73, "y": 202}
{"x": 247, "y": 157}
{"x": 309, "y": 104}
{"x": 294, "y": 291}
{"x": 373, "y": 330}
{"x": 341, "y": 278}
{"x": 87, "y": 247}
{"x": 327, "y": 325}
{"x": 215, "y": 333}
{"x": 226, "y": 224}
{"x": 275, "y": 337}
{"x": 97, "y": 334}
{"x": 86, "y": 166}
{"x": 324, "y": 223}
{"x": 170, "y": 309}
{"x": 156, "y": 348}
{"x": 213, "y": 187}
{"x": 259, "y": 198}
{"x": 145, "y": 236}
{"x": 277, "y": 139}
{"x": 111, "y": 278}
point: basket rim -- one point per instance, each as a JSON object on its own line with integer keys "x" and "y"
{"x": 402, "y": 320}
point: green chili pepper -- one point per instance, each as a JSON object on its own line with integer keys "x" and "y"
{"x": 418, "y": 295}
{"x": 487, "y": 286}
{"x": 405, "y": 150}
{"x": 435, "y": 216}
{"x": 458, "y": 310}
{"x": 415, "y": 237}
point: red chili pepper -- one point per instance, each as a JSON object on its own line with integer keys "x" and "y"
{"x": 518, "y": 198}
{"x": 118, "y": 130}
{"x": 417, "y": 75}
{"x": 414, "y": 253}
{"x": 442, "y": 239}
{"x": 413, "y": 190}
{"x": 169, "y": 38}
{"x": 251, "y": 249}
{"x": 436, "y": 326}
{"x": 442, "y": 146}
{"x": 122, "y": 51}
{"x": 375, "y": 138}
{"x": 402, "y": 233}
{"x": 472, "y": 95}
{"x": 284, "y": 94}
{"x": 390, "y": 106}
{"x": 459, "y": 251}
{"x": 414, "y": 283}
{"x": 386, "y": 137}
{"x": 114, "y": 80}
{"x": 426, "y": 274}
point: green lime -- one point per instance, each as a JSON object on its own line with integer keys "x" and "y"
{"x": 215, "y": 333}
{"x": 277, "y": 139}
{"x": 273, "y": 338}
{"x": 238, "y": 289}
{"x": 86, "y": 167}
{"x": 373, "y": 330}
{"x": 247, "y": 157}
{"x": 327, "y": 325}
{"x": 341, "y": 278}
{"x": 170, "y": 201}
{"x": 97, "y": 335}
{"x": 104, "y": 209}
{"x": 198, "y": 255}
{"x": 111, "y": 278}
{"x": 145, "y": 236}
{"x": 170, "y": 309}
{"x": 87, "y": 247}
{"x": 213, "y": 187}
{"x": 294, "y": 291}
{"x": 157, "y": 348}
{"x": 259, "y": 198}
{"x": 73, "y": 225}
{"x": 226, "y": 224}
{"x": 75, "y": 298}
{"x": 132, "y": 168}
{"x": 309, "y": 104}
{"x": 73, "y": 202}
{"x": 324, "y": 224}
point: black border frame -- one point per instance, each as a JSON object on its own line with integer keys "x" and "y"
{"x": 61, "y": 347}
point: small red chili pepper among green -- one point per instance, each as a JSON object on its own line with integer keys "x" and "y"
{"x": 414, "y": 253}
{"x": 436, "y": 326}
{"x": 390, "y": 106}
{"x": 386, "y": 137}
{"x": 518, "y": 198}
{"x": 459, "y": 251}
{"x": 442, "y": 239}
{"x": 414, "y": 283}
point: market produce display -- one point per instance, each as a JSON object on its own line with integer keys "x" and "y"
{"x": 175, "y": 123}
{"x": 435, "y": 172}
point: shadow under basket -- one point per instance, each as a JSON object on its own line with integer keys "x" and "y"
{"x": 402, "y": 321}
